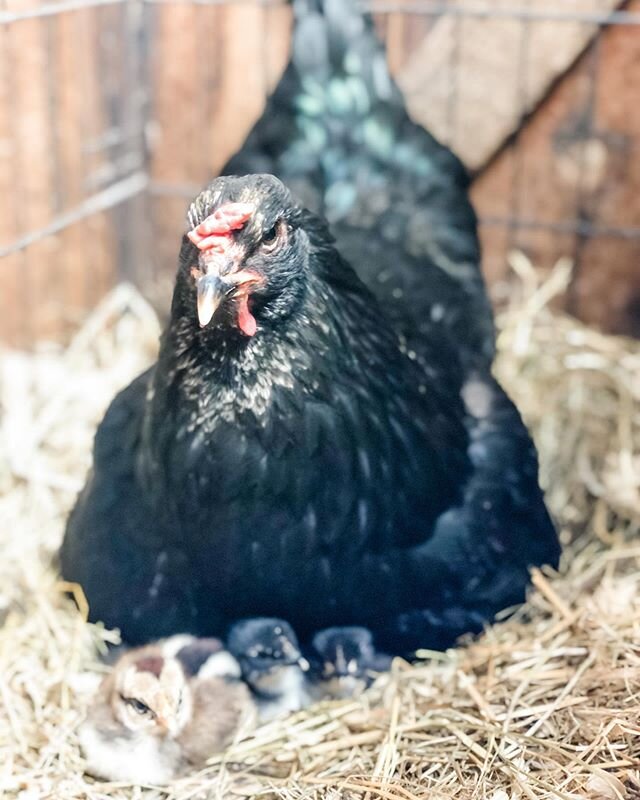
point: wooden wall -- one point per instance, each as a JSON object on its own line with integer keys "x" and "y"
{"x": 63, "y": 100}
{"x": 576, "y": 162}
{"x": 544, "y": 117}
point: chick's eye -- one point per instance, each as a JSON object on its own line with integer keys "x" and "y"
{"x": 137, "y": 705}
{"x": 261, "y": 652}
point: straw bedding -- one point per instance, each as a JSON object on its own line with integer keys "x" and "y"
{"x": 545, "y": 704}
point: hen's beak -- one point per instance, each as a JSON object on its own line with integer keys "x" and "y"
{"x": 215, "y": 282}
{"x": 212, "y": 290}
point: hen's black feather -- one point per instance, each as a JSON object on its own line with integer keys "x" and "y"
{"x": 353, "y": 462}
{"x": 337, "y": 132}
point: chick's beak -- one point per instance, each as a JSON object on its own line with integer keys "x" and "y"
{"x": 162, "y": 722}
{"x": 168, "y": 725}
{"x": 294, "y": 657}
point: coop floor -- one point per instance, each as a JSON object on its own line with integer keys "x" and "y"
{"x": 545, "y": 704}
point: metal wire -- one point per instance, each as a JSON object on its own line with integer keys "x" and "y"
{"x": 588, "y": 230}
{"x": 489, "y": 11}
{"x": 109, "y": 198}
{"x": 53, "y": 9}
{"x": 583, "y": 211}
{"x": 517, "y": 177}
{"x": 438, "y": 8}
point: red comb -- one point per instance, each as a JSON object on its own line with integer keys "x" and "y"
{"x": 213, "y": 232}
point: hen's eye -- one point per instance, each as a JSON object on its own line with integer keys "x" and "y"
{"x": 274, "y": 238}
{"x": 137, "y": 705}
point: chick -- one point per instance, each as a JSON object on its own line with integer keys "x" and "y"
{"x": 150, "y": 721}
{"x": 344, "y": 662}
{"x": 272, "y": 665}
{"x": 202, "y": 657}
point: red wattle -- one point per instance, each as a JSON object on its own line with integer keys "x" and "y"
{"x": 246, "y": 321}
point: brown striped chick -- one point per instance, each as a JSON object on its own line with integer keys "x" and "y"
{"x": 150, "y": 721}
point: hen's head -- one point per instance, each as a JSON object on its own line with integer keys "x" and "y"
{"x": 249, "y": 255}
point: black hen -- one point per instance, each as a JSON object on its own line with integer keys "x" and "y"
{"x": 314, "y": 444}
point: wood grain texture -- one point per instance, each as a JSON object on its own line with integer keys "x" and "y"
{"x": 32, "y": 170}
{"x": 578, "y": 159}
{"x": 473, "y": 78}
{"x": 11, "y": 322}
{"x": 52, "y": 109}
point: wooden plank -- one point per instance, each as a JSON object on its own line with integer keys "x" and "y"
{"x": 606, "y": 289}
{"x": 472, "y": 79}
{"x": 578, "y": 158}
{"x": 50, "y": 106}
{"x": 244, "y": 83}
{"x": 11, "y": 287}
{"x": 96, "y": 29}
{"x": 402, "y": 32}
{"x": 177, "y": 95}
{"x": 212, "y": 68}
{"x": 33, "y": 172}
{"x": 73, "y": 265}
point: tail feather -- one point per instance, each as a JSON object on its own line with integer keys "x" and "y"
{"x": 334, "y": 39}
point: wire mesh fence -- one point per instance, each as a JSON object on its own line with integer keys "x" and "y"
{"x": 113, "y": 113}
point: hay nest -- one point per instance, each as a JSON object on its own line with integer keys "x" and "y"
{"x": 544, "y": 704}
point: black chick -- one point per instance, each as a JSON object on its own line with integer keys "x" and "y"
{"x": 271, "y": 664}
{"x": 315, "y": 443}
{"x": 344, "y": 662}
